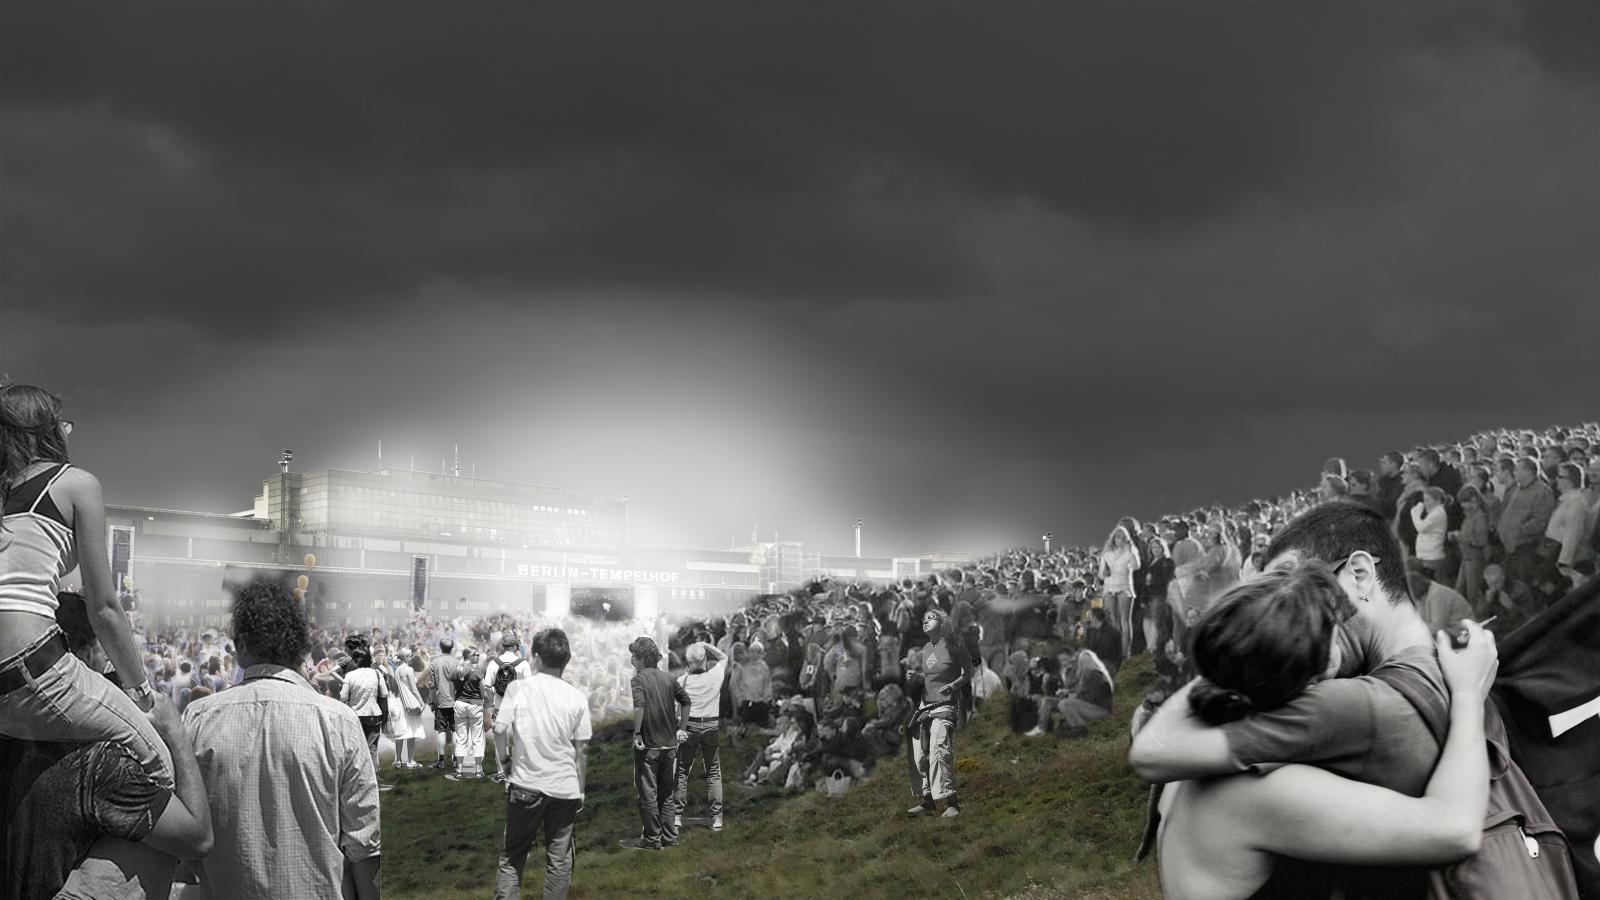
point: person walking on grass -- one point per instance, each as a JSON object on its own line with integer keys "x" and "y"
{"x": 660, "y": 723}
{"x": 541, "y": 739}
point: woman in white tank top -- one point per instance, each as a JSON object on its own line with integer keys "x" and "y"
{"x": 54, "y": 522}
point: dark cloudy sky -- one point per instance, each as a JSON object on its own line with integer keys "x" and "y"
{"x": 969, "y": 271}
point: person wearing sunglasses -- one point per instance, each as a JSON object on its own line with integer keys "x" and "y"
{"x": 54, "y": 522}
{"x": 1356, "y": 726}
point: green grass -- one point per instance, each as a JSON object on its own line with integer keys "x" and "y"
{"x": 1041, "y": 819}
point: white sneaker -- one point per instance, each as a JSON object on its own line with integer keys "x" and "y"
{"x": 1035, "y": 731}
{"x": 716, "y": 823}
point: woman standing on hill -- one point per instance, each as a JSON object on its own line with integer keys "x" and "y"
{"x": 54, "y": 522}
{"x": 1158, "y": 614}
{"x": 946, "y": 669}
{"x": 1117, "y": 565}
{"x": 409, "y": 728}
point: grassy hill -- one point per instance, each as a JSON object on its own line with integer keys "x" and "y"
{"x": 1041, "y": 818}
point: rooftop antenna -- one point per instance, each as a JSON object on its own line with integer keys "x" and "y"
{"x": 456, "y": 471}
{"x": 380, "y": 455}
{"x": 285, "y": 460}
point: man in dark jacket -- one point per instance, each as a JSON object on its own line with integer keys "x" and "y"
{"x": 1445, "y": 477}
{"x": 1103, "y": 639}
{"x": 1389, "y": 466}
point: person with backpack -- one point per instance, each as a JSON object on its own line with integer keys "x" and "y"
{"x": 505, "y": 668}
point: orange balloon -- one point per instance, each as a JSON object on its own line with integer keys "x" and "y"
{"x": 302, "y": 582}
{"x": 300, "y": 594}
{"x": 311, "y": 560}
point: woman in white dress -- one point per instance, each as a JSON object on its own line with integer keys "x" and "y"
{"x": 1117, "y": 565}
{"x": 406, "y": 714}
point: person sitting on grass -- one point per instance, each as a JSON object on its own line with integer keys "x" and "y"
{"x": 884, "y": 732}
{"x": 1087, "y": 697}
{"x": 1048, "y": 686}
{"x": 840, "y": 745}
{"x": 772, "y": 764}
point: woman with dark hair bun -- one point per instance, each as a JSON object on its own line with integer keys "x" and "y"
{"x": 54, "y": 522}
{"x": 1261, "y": 645}
{"x": 1264, "y": 643}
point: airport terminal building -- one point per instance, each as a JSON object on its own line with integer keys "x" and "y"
{"x": 390, "y": 542}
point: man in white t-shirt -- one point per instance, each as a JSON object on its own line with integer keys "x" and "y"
{"x": 510, "y": 658}
{"x": 541, "y": 736}
{"x": 705, "y": 726}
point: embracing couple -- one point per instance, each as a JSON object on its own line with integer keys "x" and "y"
{"x": 1313, "y": 677}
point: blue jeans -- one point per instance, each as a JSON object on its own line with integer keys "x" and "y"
{"x": 70, "y": 702}
{"x": 932, "y": 756}
{"x": 527, "y": 813}
{"x": 653, "y": 774}
{"x": 702, "y": 743}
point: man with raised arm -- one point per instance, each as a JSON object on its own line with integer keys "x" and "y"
{"x": 704, "y": 687}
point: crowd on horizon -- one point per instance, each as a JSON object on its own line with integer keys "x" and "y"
{"x": 830, "y": 678}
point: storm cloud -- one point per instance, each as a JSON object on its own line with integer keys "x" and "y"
{"x": 969, "y": 272}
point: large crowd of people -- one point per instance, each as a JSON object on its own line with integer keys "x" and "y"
{"x": 826, "y": 681}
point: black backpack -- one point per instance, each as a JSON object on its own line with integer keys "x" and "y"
{"x": 1524, "y": 854}
{"x": 504, "y": 676}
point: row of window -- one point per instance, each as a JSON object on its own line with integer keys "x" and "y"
{"x": 410, "y": 498}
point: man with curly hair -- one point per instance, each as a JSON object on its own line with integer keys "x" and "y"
{"x": 660, "y": 723}
{"x": 294, "y": 796}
